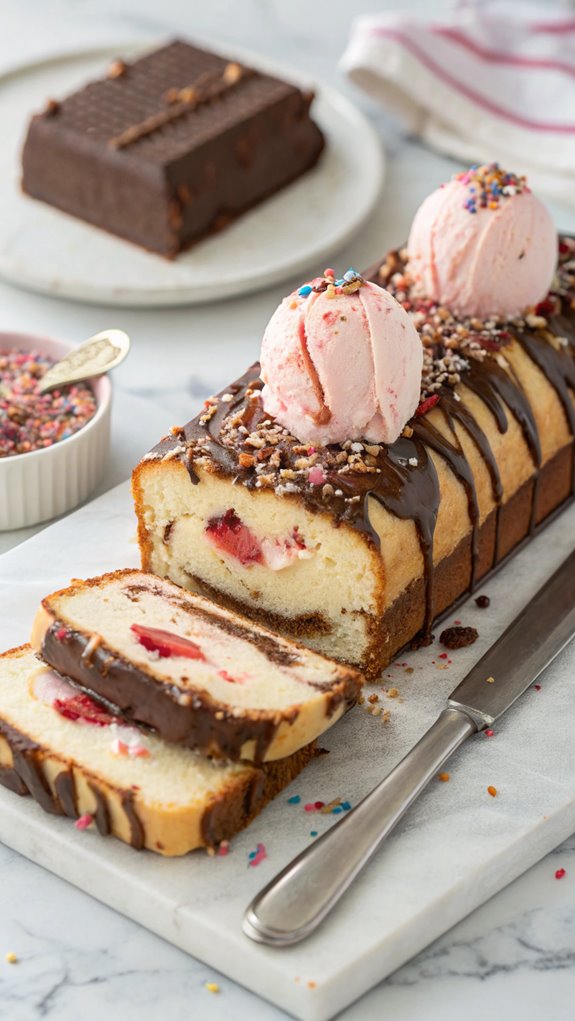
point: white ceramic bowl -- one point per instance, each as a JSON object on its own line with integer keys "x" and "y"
{"x": 44, "y": 483}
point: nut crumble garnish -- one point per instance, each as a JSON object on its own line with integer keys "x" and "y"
{"x": 232, "y": 73}
{"x": 117, "y": 69}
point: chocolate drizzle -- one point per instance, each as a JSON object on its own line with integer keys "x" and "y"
{"x": 65, "y": 789}
{"x": 101, "y": 813}
{"x": 27, "y": 766}
{"x": 26, "y": 776}
{"x": 453, "y": 453}
{"x": 404, "y": 480}
{"x": 137, "y": 836}
{"x": 558, "y": 366}
{"x": 408, "y": 487}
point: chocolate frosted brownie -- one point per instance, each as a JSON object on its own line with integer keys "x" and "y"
{"x": 170, "y": 147}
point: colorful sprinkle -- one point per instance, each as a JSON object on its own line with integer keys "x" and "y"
{"x": 537, "y": 687}
{"x": 11, "y": 957}
{"x": 335, "y": 807}
{"x": 560, "y": 873}
{"x": 444, "y": 777}
{"x": 313, "y": 833}
{"x": 488, "y": 733}
{"x": 31, "y": 421}
{"x": 257, "y": 856}
{"x": 294, "y": 800}
{"x": 350, "y": 282}
{"x": 488, "y": 185}
{"x": 492, "y": 791}
{"x": 316, "y": 475}
{"x": 84, "y": 821}
{"x": 427, "y": 405}
{"x": 212, "y": 987}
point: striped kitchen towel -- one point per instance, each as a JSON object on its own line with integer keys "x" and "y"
{"x": 494, "y": 81}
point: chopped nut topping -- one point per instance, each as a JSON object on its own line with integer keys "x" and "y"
{"x": 117, "y": 69}
{"x": 232, "y": 73}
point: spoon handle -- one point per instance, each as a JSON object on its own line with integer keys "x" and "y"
{"x": 96, "y": 356}
{"x": 294, "y": 903}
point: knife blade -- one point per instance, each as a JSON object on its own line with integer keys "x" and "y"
{"x": 529, "y": 644}
{"x": 297, "y": 900}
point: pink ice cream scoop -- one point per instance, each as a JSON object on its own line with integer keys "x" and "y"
{"x": 483, "y": 244}
{"x": 341, "y": 360}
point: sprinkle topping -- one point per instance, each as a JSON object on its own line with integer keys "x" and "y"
{"x": 350, "y": 282}
{"x": 257, "y": 856}
{"x": 29, "y": 420}
{"x": 488, "y": 184}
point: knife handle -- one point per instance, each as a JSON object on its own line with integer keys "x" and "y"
{"x": 294, "y": 903}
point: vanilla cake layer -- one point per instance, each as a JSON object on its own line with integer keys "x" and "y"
{"x": 199, "y": 675}
{"x": 130, "y": 784}
{"x": 389, "y": 536}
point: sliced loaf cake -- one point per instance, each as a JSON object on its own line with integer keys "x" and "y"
{"x": 76, "y": 759}
{"x": 200, "y": 675}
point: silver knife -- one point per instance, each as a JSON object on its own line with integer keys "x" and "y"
{"x": 297, "y": 900}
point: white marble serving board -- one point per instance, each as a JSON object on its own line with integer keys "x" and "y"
{"x": 456, "y": 848}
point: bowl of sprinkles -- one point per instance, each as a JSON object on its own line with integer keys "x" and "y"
{"x": 53, "y": 446}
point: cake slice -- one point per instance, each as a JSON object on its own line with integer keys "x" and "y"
{"x": 355, "y": 547}
{"x": 201, "y": 676}
{"x": 75, "y": 759}
{"x": 170, "y": 147}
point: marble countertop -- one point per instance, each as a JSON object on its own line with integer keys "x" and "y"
{"x": 514, "y": 958}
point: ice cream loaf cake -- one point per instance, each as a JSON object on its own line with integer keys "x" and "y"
{"x": 75, "y": 759}
{"x": 356, "y": 541}
{"x": 201, "y": 676}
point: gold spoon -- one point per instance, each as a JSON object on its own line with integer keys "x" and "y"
{"x": 95, "y": 357}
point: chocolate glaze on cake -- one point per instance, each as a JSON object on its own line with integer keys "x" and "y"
{"x": 235, "y": 437}
{"x": 26, "y": 776}
{"x": 170, "y": 147}
{"x": 221, "y": 819}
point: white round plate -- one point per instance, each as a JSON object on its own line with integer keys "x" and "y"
{"x": 48, "y": 251}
